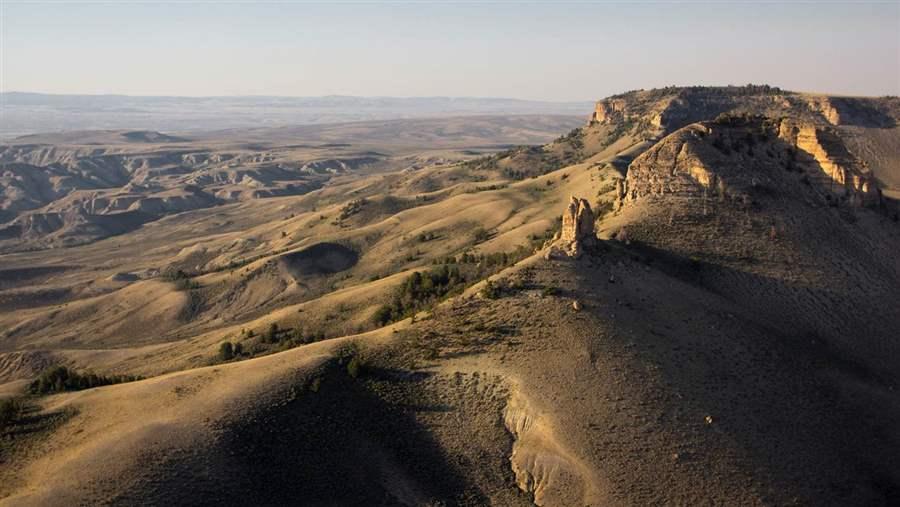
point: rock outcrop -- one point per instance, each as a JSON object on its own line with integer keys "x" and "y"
{"x": 842, "y": 174}
{"x": 740, "y": 158}
{"x": 680, "y": 166}
{"x": 856, "y": 111}
{"x": 577, "y": 221}
{"x": 577, "y": 232}
{"x": 824, "y": 106}
{"x": 609, "y": 111}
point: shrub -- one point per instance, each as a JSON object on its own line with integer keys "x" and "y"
{"x": 272, "y": 334}
{"x": 226, "y": 351}
{"x": 10, "y": 409}
{"x": 490, "y": 290}
{"x": 383, "y": 315}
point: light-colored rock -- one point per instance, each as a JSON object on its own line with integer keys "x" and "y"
{"x": 842, "y": 174}
{"x": 577, "y": 230}
{"x": 577, "y": 221}
{"x": 609, "y": 111}
{"x": 824, "y": 106}
{"x": 732, "y": 158}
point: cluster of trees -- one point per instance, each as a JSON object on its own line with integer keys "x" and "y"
{"x": 351, "y": 208}
{"x": 181, "y": 280}
{"x": 274, "y": 335}
{"x": 419, "y": 291}
{"x": 229, "y": 351}
{"x": 58, "y": 379}
{"x": 532, "y": 161}
{"x": 290, "y": 337}
{"x": 487, "y": 260}
{"x": 730, "y": 90}
{"x": 575, "y": 139}
{"x": 488, "y": 188}
{"x": 514, "y": 174}
{"x": 422, "y": 289}
{"x": 620, "y": 130}
{"x": 737, "y": 144}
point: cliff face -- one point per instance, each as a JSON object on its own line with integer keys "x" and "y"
{"x": 610, "y": 111}
{"x": 736, "y": 158}
{"x": 840, "y": 172}
{"x": 856, "y": 111}
{"x": 671, "y": 108}
{"x": 681, "y": 166}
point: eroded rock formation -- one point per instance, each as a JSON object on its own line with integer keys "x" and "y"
{"x": 841, "y": 173}
{"x": 609, "y": 111}
{"x": 737, "y": 158}
{"x": 577, "y": 230}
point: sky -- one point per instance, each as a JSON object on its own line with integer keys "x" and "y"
{"x": 557, "y": 51}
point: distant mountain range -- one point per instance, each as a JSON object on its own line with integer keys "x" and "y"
{"x": 28, "y": 113}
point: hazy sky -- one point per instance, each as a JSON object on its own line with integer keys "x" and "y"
{"x": 553, "y": 51}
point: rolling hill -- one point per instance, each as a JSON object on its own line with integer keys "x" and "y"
{"x": 713, "y": 319}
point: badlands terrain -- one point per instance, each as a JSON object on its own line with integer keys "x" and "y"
{"x": 688, "y": 296}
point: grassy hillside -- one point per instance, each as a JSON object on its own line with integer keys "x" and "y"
{"x": 406, "y": 334}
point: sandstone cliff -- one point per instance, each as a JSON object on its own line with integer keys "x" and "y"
{"x": 669, "y": 109}
{"x": 841, "y": 173}
{"x": 737, "y": 157}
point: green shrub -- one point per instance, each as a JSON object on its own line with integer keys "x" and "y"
{"x": 226, "y": 351}
{"x": 419, "y": 291}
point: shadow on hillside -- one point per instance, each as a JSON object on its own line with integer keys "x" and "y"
{"x": 334, "y": 444}
{"x": 796, "y": 381}
{"x": 861, "y": 113}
